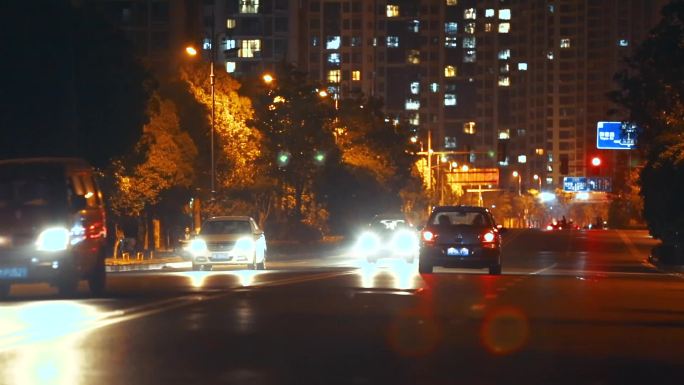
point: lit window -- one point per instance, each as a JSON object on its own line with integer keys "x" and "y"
{"x": 451, "y": 2}
{"x": 551, "y": 8}
{"x": 469, "y": 56}
{"x": 412, "y": 104}
{"x": 392, "y": 10}
{"x": 539, "y": 151}
{"x": 414, "y": 119}
{"x": 470, "y": 13}
{"x": 504, "y": 14}
{"x": 522, "y": 158}
{"x": 505, "y": 68}
{"x": 449, "y": 99}
{"x": 504, "y": 54}
{"x": 230, "y": 67}
{"x": 356, "y": 76}
{"x": 414, "y": 26}
{"x": 488, "y": 27}
{"x": 450, "y": 27}
{"x": 449, "y": 71}
{"x": 549, "y": 55}
{"x": 504, "y": 134}
{"x": 249, "y": 6}
{"x": 565, "y": 43}
{"x": 375, "y": 42}
{"x": 469, "y": 128}
{"x": 469, "y": 28}
{"x": 334, "y": 76}
{"x": 333, "y": 42}
{"x": 413, "y": 56}
{"x": 334, "y": 58}
{"x": 450, "y": 142}
{"x": 230, "y": 23}
{"x": 206, "y": 43}
{"x": 469, "y": 42}
{"x": 522, "y": 66}
{"x": 314, "y": 41}
{"x": 355, "y": 41}
{"x": 549, "y": 180}
{"x": 623, "y": 43}
{"x": 231, "y": 44}
{"x": 249, "y": 48}
{"x": 451, "y": 41}
{"x": 504, "y": 81}
{"x": 489, "y": 12}
{"x": 434, "y": 88}
{"x": 393, "y": 41}
{"x": 415, "y": 88}
{"x": 504, "y": 27}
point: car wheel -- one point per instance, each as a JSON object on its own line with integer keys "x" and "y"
{"x": 4, "y": 291}
{"x": 495, "y": 269}
{"x": 97, "y": 282}
{"x": 424, "y": 266}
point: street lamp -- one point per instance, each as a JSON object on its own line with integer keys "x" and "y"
{"x": 538, "y": 179}
{"x": 517, "y": 175}
{"x": 192, "y": 51}
{"x": 268, "y": 78}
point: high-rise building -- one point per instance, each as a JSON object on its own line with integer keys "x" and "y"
{"x": 532, "y": 75}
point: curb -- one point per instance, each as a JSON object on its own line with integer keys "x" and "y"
{"x": 668, "y": 268}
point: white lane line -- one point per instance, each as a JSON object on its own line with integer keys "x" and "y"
{"x": 544, "y": 269}
{"x": 630, "y": 245}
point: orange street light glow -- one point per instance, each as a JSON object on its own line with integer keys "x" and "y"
{"x": 322, "y": 93}
{"x": 268, "y": 78}
{"x": 190, "y": 50}
{"x": 515, "y": 174}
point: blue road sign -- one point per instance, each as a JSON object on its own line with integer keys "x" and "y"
{"x": 615, "y": 135}
{"x": 584, "y": 184}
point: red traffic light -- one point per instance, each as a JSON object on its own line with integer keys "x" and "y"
{"x": 596, "y": 161}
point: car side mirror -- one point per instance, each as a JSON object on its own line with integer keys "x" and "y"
{"x": 501, "y": 229}
{"x": 259, "y": 233}
{"x": 79, "y": 202}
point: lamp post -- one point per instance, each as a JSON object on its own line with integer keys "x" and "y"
{"x": 517, "y": 175}
{"x": 538, "y": 179}
{"x": 193, "y": 52}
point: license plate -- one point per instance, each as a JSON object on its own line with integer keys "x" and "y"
{"x": 13, "y": 272}
{"x": 222, "y": 256}
{"x": 461, "y": 252}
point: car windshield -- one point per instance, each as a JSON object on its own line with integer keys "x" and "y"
{"x": 460, "y": 218}
{"x": 388, "y": 224}
{"x": 27, "y": 185}
{"x": 226, "y": 227}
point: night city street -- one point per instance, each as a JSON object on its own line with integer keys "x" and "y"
{"x": 571, "y": 307}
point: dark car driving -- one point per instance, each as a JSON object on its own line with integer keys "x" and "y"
{"x": 460, "y": 236}
{"x": 52, "y": 224}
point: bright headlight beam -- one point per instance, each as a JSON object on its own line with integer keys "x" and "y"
{"x": 53, "y": 239}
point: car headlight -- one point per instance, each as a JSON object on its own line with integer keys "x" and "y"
{"x": 368, "y": 243}
{"x": 404, "y": 242}
{"x": 53, "y": 239}
{"x": 244, "y": 244}
{"x": 197, "y": 246}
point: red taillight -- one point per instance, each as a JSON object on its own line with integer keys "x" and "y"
{"x": 428, "y": 236}
{"x": 549, "y": 227}
{"x": 488, "y": 237}
{"x": 96, "y": 230}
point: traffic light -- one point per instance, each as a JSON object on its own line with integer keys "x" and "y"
{"x": 319, "y": 158}
{"x": 564, "y": 166}
{"x": 596, "y": 161}
{"x": 283, "y": 158}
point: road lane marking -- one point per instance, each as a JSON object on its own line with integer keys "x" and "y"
{"x": 544, "y": 269}
{"x": 630, "y": 245}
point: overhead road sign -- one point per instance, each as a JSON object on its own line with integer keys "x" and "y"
{"x": 616, "y": 135}
{"x": 584, "y": 184}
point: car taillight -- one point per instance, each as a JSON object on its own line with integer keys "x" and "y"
{"x": 549, "y": 227}
{"x": 428, "y": 236}
{"x": 488, "y": 237}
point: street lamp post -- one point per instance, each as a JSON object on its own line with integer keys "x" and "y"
{"x": 517, "y": 175}
{"x": 193, "y": 52}
{"x": 538, "y": 179}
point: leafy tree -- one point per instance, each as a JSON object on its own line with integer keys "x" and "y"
{"x": 296, "y": 124}
{"x": 652, "y": 89}
{"x": 83, "y": 93}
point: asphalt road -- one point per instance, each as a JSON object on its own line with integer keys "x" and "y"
{"x": 579, "y": 307}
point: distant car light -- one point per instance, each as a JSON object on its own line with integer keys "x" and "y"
{"x": 53, "y": 239}
{"x": 244, "y": 244}
{"x": 368, "y": 243}
{"x": 549, "y": 227}
{"x": 197, "y": 246}
{"x": 428, "y": 236}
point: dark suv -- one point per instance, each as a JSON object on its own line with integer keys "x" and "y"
{"x": 52, "y": 224}
{"x": 460, "y": 236}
